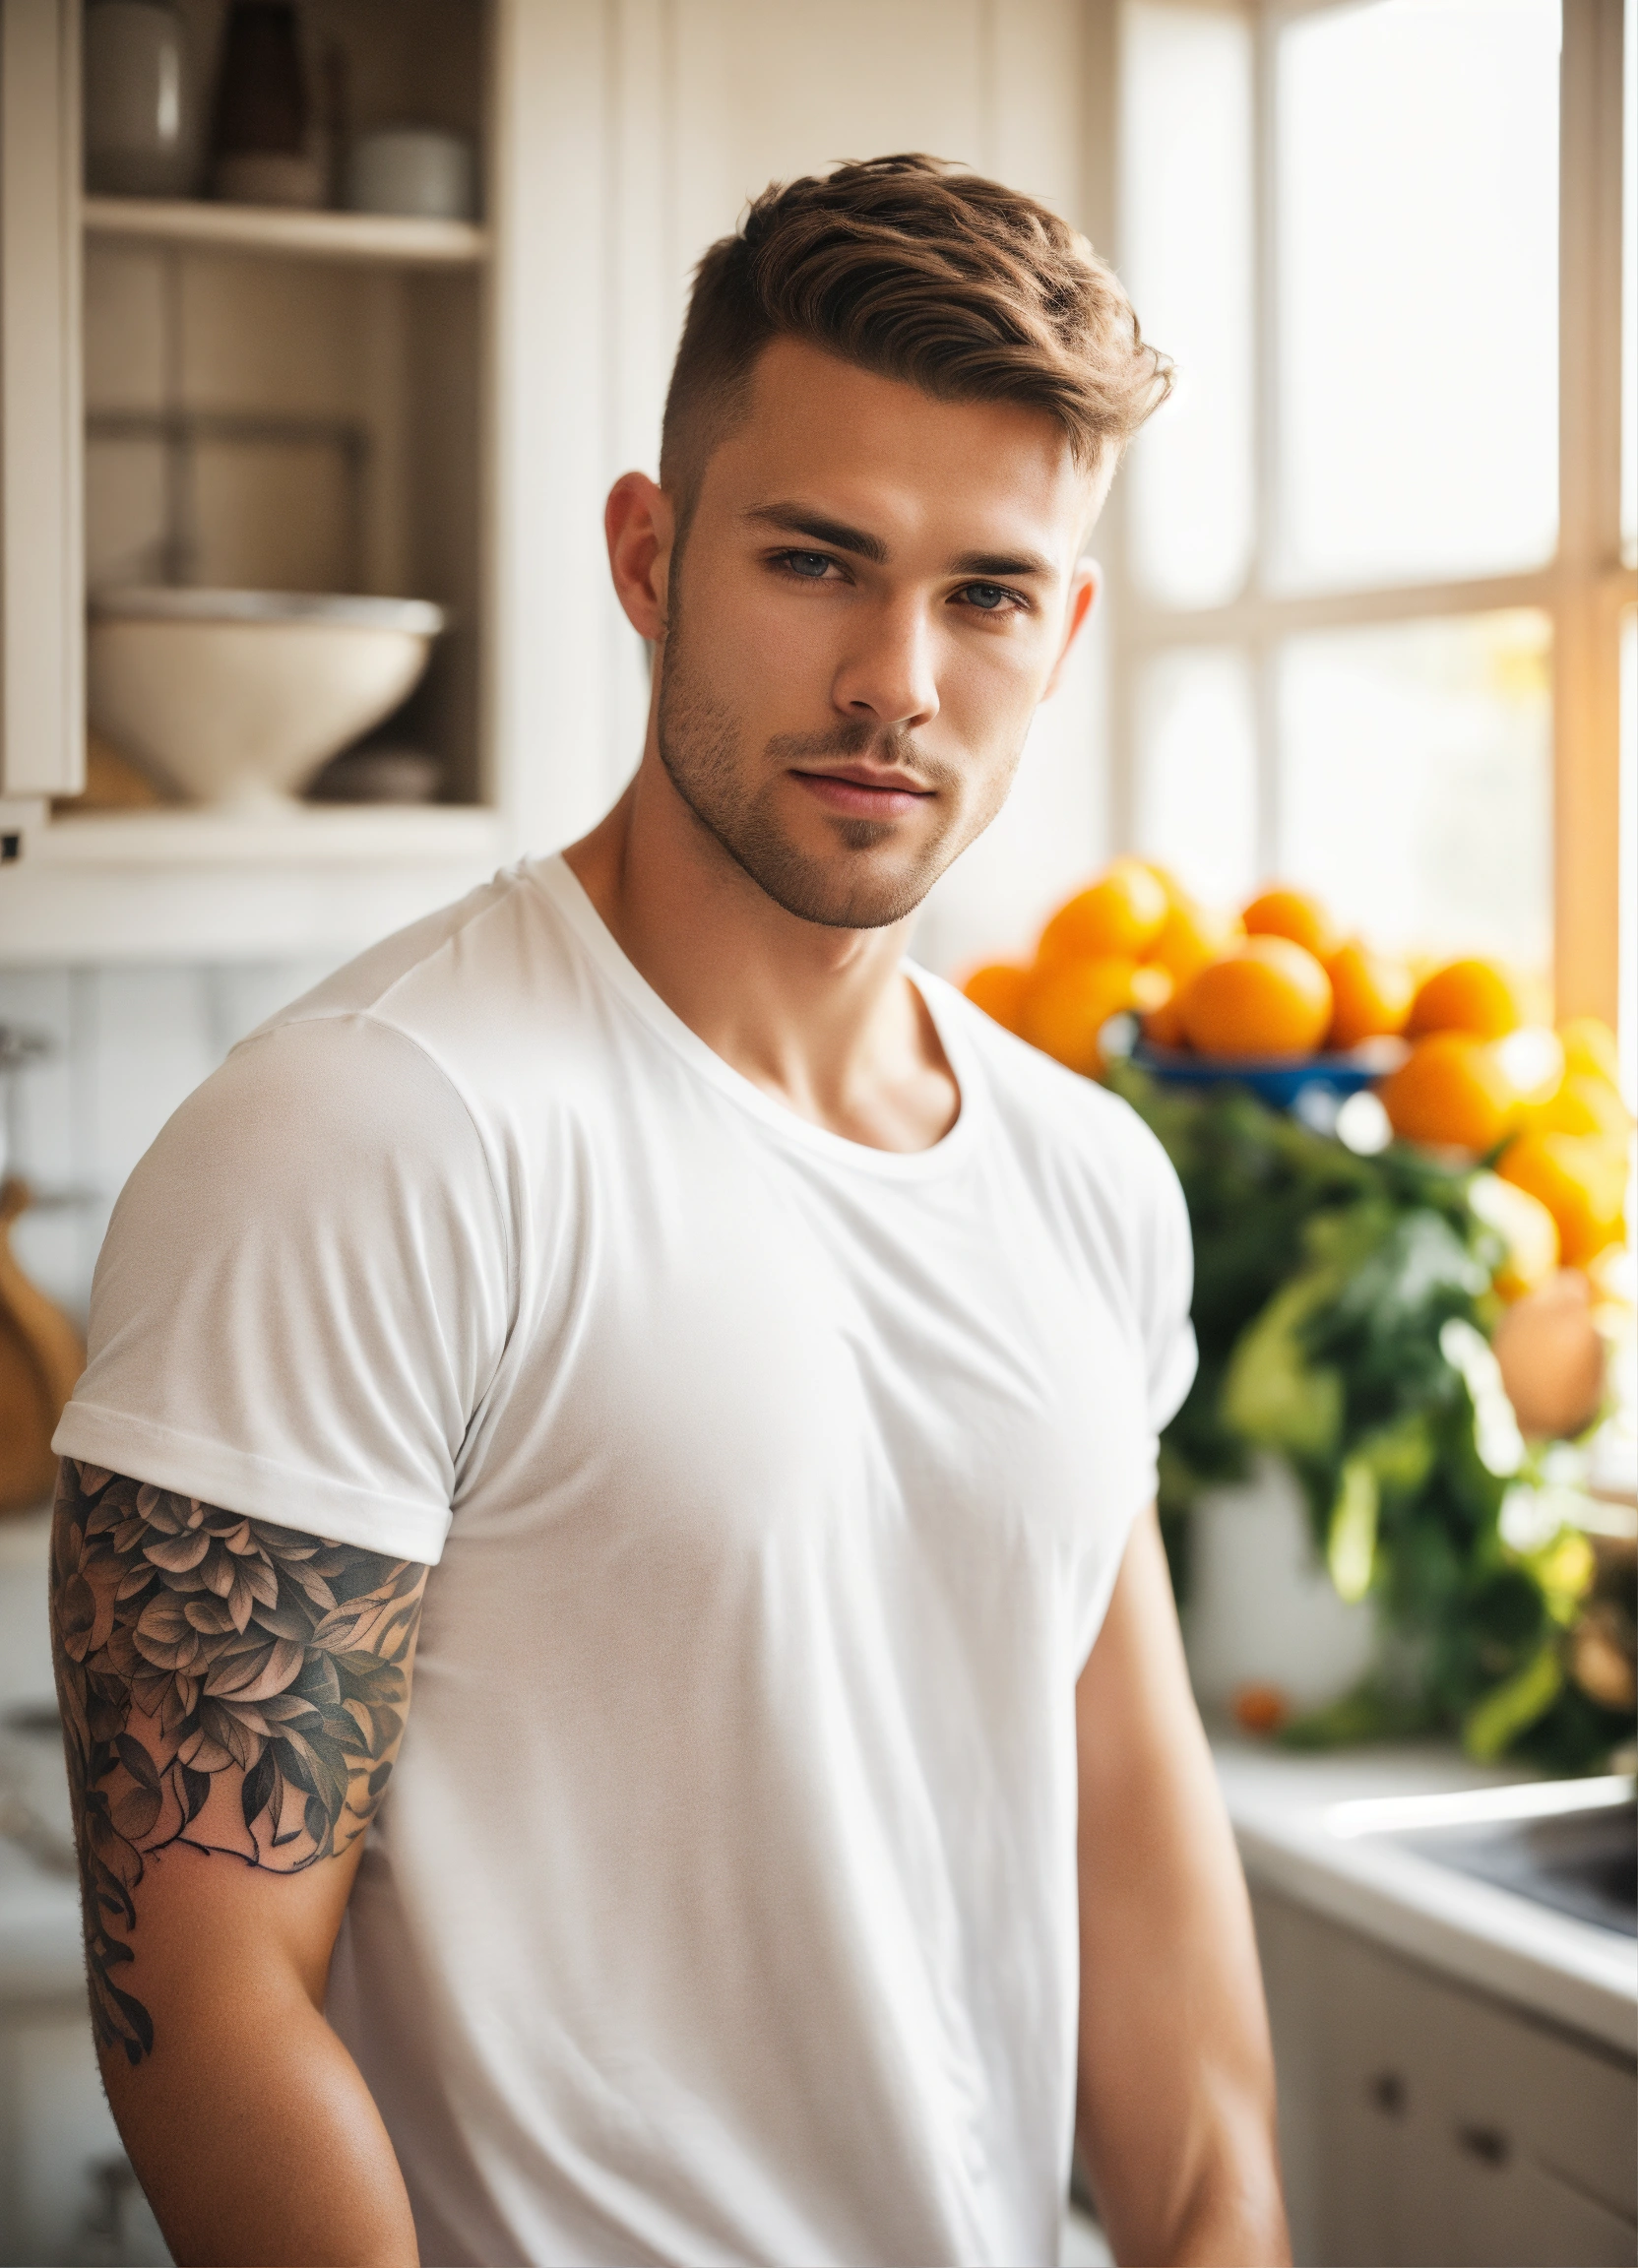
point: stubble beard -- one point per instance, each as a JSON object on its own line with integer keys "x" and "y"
{"x": 701, "y": 747}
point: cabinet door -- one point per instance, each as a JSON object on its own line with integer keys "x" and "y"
{"x": 1533, "y": 2141}
{"x": 42, "y": 572}
{"x": 1379, "y": 2174}
{"x": 1422, "y": 2122}
{"x": 1515, "y": 2210}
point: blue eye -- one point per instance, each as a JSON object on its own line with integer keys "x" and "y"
{"x": 811, "y": 566}
{"x": 989, "y": 597}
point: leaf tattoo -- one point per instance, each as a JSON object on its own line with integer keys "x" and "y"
{"x": 193, "y": 1642}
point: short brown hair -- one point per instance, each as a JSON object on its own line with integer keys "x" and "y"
{"x": 911, "y": 269}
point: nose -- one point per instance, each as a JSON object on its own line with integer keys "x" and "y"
{"x": 887, "y": 674}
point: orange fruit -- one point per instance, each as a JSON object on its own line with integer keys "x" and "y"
{"x": 1120, "y": 916}
{"x": 1582, "y": 1183}
{"x": 1590, "y": 1046}
{"x": 1190, "y": 939}
{"x": 1190, "y": 936}
{"x": 1168, "y": 881}
{"x": 1524, "y": 1225}
{"x": 1532, "y": 1058}
{"x": 1260, "y": 1708}
{"x": 1067, "y": 1006}
{"x": 1450, "y": 1091}
{"x": 1293, "y": 914}
{"x": 1583, "y": 1103}
{"x": 1371, "y": 995}
{"x": 1476, "y": 996}
{"x": 1553, "y": 1364}
{"x": 998, "y": 989}
{"x": 1268, "y": 997}
{"x": 1164, "y": 1026}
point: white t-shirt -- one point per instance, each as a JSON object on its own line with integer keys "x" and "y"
{"x": 723, "y": 1906}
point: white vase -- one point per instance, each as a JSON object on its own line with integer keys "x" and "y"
{"x": 1261, "y": 1608}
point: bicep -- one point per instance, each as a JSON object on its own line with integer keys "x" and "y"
{"x": 233, "y": 1694}
{"x": 1160, "y": 1884}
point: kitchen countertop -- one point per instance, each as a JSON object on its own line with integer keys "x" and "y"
{"x": 1569, "y": 1972}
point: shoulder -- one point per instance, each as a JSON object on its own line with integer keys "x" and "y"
{"x": 336, "y": 1086}
{"x": 436, "y": 979}
{"x": 333, "y": 1135}
{"x": 341, "y": 1109}
{"x": 423, "y": 1032}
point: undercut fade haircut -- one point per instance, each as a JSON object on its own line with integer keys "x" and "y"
{"x": 919, "y": 272}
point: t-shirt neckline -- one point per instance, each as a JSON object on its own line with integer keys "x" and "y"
{"x": 561, "y": 886}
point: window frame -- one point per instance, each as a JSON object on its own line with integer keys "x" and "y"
{"x": 1583, "y": 589}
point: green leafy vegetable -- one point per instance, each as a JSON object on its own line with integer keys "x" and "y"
{"x": 1344, "y": 1306}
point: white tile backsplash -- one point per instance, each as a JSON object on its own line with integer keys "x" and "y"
{"x": 127, "y": 1046}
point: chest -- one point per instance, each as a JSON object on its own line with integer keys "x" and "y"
{"x": 727, "y": 1347}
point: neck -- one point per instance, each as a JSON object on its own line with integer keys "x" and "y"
{"x": 821, "y": 1019}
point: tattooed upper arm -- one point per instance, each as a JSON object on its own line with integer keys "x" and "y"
{"x": 225, "y": 1684}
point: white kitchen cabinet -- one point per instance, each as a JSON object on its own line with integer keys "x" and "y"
{"x": 41, "y": 640}
{"x": 498, "y": 377}
{"x": 1422, "y": 2122}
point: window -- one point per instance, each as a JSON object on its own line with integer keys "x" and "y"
{"x": 1368, "y": 567}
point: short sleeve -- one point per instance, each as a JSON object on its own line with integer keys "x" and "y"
{"x": 1166, "y": 1291}
{"x": 1147, "y": 1223}
{"x": 304, "y": 1292}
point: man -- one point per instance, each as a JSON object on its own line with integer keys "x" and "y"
{"x": 765, "y": 1354}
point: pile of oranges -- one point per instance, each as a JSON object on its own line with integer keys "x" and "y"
{"x": 1279, "y": 981}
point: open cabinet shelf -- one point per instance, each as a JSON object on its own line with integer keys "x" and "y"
{"x": 198, "y": 393}
{"x": 260, "y": 398}
{"x": 385, "y": 239}
{"x": 323, "y": 834}
{"x": 178, "y": 885}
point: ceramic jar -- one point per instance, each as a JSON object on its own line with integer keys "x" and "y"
{"x": 140, "y": 120}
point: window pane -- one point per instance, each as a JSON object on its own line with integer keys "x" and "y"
{"x": 1197, "y": 771}
{"x": 1629, "y": 297}
{"x": 1627, "y": 919}
{"x": 1418, "y": 279}
{"x": 1416, "y": 782}
{"x": 1186, "y": 234}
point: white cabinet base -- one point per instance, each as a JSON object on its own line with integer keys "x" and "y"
{"x": 1422, "y": 2122}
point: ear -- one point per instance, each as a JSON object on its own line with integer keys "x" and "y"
{"x": 1084, "y": 586}
{"x": 640, "y": 526}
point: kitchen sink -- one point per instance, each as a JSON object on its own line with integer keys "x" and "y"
{"x": 1571, "y": 1845}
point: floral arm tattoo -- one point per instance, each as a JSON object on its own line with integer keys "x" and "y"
{"x": 229, "y": 1646}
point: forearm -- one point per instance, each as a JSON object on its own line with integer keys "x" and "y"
{"x": 1215, "y": 2203}
{"x": 256, "y": 2140}
{"x": 1177, "y": 2074}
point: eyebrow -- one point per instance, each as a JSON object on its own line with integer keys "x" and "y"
{"x": 794, "y": 519}
{"x": 1001, "y": 563}
{"x": 797, "y": 520}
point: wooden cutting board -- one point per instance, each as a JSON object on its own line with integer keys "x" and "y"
{"x": 40, "y": 1357}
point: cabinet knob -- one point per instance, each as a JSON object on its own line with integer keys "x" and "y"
{"x": 1488, "y": 2144}
{"x": 1386, "y": 2092}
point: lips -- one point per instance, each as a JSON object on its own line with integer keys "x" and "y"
{"x": 859, "y": 793}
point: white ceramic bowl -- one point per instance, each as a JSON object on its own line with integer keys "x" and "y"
{"x": 236, "y": 697}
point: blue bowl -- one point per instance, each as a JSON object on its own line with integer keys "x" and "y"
{"x": 1279, "y": 1080}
